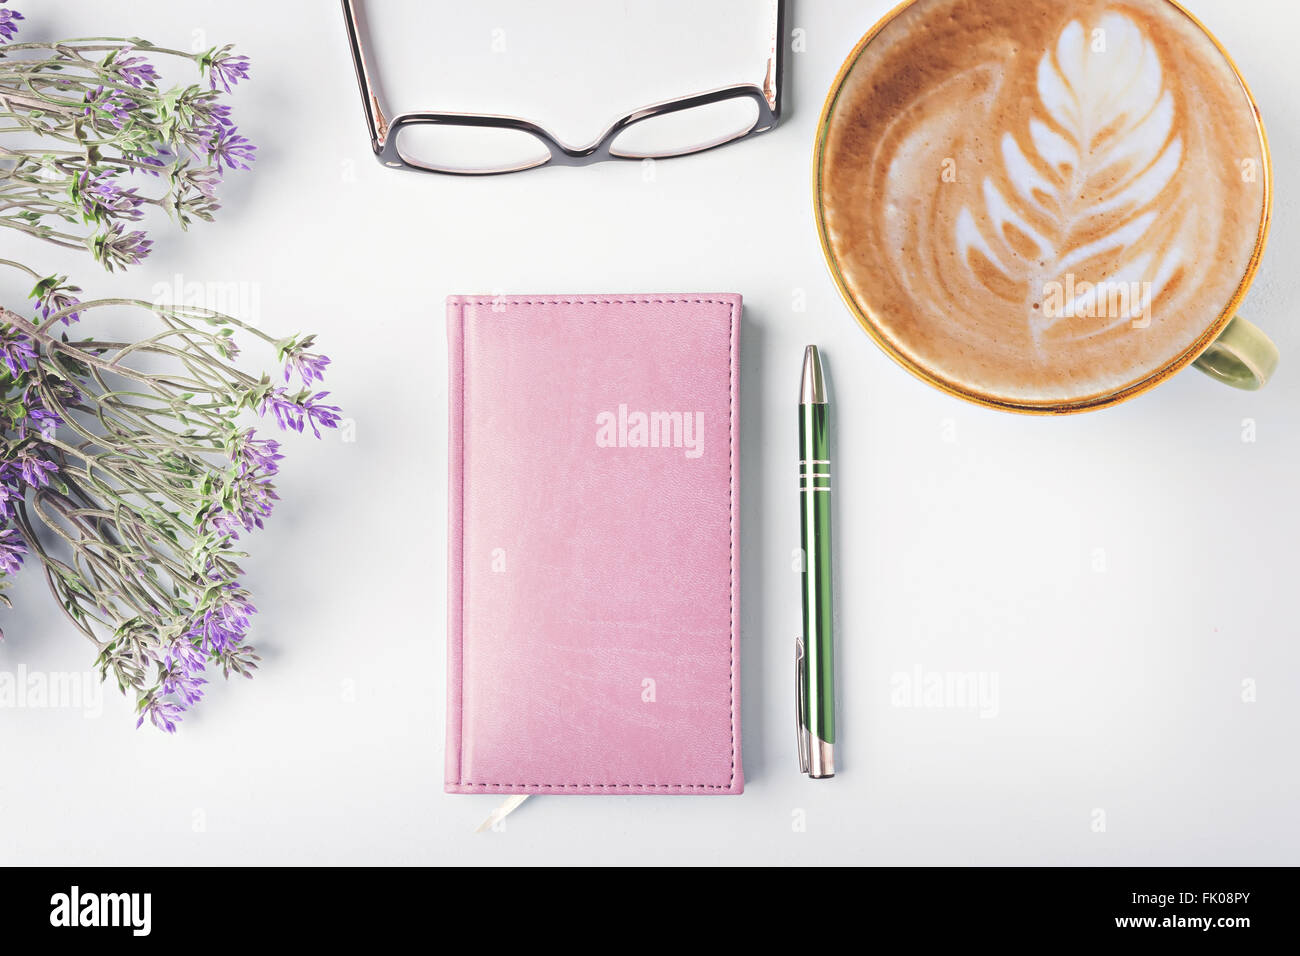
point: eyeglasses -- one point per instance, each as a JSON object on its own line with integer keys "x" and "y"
{"x": 481, "y": 144}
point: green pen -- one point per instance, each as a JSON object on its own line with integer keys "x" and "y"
{"x": 815, "y": 651}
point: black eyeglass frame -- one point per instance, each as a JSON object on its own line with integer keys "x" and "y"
{"x": 384, "y": 130}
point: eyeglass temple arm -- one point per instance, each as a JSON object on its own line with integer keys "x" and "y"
{"x": 375, "y": 119}
{"x": 772, "y": 82}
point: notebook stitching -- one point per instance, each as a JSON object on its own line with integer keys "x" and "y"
{"x": 732, "y": 388}
{"x": 472, "y": 300}
{"x": 460, "y": 491}
{"x": 731, "y": 549}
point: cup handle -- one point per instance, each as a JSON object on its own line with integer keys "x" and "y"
{"x": 1243, "y": 357}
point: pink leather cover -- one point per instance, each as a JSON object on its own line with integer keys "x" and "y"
{"x": 593, "y": 568}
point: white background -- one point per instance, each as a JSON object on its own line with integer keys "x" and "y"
{"x": 1119, "y": 574}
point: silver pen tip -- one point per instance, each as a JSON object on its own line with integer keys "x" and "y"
{"x": 812, "y": 390}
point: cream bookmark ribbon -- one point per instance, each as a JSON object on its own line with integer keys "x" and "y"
{"x": 508, "y": 806}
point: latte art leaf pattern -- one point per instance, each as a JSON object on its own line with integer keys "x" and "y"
{"x": 1086, "y": 191}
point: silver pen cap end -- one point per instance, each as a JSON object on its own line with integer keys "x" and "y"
{"x": 812, "y": 390}
{"x": 821, "y": 758}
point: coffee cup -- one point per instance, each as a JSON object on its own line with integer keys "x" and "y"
{"x": 1047, "y": 206}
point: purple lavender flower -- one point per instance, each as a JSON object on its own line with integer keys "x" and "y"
{"x": 114, "y": 105}
{"x": 294, "y": 412}
{"x": 252, "y": 497}
{"x": 8, "y": 24}
{"x": 204, "y": 110}
{"x": 223, "y": 524}
{"x": 257, "y": 499}
{"x": 257, "y": 455}
{"x": 194, "y": 194}
{"x": 53, "y": 296}
{"x": 223, "y": 68}
{"x": 135, "y": 70}
{"x": 42, "y": 421}
{"x": 102, "y": 198}
{"x": 242, "y": 660}
{"x": 288, "y": 415}
{"x": 326, "y": 416}
{"x": 218, "y": 114}
{"x": 16, "y": 351}
{"x": 187, "y": 655}
{"x": 9, "y": 498}
{"x": 226, "y": 619}
{"x": 12, "y": 550}
{"x": 204, "y": 181}
{"x": 256, "y": 462}
{"x": 35, "y": 471}
{"x": 163, "y": 714}
{"x": 310, "y": 367}
{"x": 183, "y": 684}
{"x": 225, "y": 145}
{"x": 153, "y": 163}
{"x": 117, "y": 249}
{"x": 135, "y": 246}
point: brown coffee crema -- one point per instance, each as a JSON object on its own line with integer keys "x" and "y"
{"x": 1042, "y": 201}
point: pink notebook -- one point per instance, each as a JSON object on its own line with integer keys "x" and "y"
{"x": 593, "y": 607}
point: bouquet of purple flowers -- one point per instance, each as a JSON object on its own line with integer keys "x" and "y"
{"x": 127, "y": 467}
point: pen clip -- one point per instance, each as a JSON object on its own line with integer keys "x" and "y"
{"x": 800, "y": 730}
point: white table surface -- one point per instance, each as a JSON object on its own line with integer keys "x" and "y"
{"x": 1113, "y": 578}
